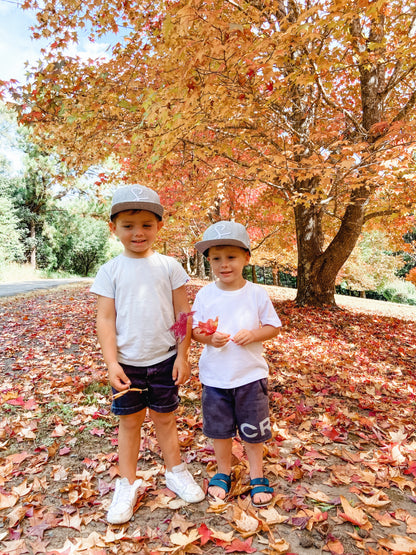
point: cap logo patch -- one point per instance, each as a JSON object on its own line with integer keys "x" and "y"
{"x": 221, "y": 231}
{"x": 139, "y": 194}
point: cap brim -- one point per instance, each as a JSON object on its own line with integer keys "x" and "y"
{"x": 134, "y": 205}
{"x": 202, "y": 246}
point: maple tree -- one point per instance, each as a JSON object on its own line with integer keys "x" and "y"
{"x": 342, "y": 458}
{"x": 310, "y": 104}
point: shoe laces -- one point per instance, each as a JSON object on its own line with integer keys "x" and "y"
{"x": 185, "y": 476}
{"x": 122, "y": 490}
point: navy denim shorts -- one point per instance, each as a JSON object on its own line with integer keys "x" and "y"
{"x": 160, "y": 395}
{"x": 244, "y": 408}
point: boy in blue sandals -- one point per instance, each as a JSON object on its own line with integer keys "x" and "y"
{"x": 232, "y": 368}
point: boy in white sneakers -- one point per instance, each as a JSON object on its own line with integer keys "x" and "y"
{"x": 140, "y": 295}
{"x": 232, "y": 370}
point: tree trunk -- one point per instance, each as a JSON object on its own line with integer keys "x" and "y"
{"x": 33, "y": 245}
{"x": 318, "y": 268}
{"x": 200, "y": 266}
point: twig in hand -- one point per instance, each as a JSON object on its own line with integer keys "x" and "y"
{"x": 121, "y": 393}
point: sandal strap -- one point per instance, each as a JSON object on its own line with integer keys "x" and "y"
{"x": 222, "y": 481}
{"x": 261, "y": 489}
{"x": 260, "y": 485}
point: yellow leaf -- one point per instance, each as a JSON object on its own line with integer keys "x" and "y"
{"x": 246, "y": 523}
{"x": 272, "y": 516}
{"x": 375, "y": 500}
{"x": 411, "y": 525}
{"x": 7, "y": 501}
{"x": 224, "y": 536}
{"x": 400, "y": 544}
{"x": 279, "y": 546}
{"x": 354, "y": 515}
{"x": 184, "y": 539}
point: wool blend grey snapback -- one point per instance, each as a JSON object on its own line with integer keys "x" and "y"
{"x": 224, "y": 233}
{"x": 136, "y": 197}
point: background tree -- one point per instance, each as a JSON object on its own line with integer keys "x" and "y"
{"x": 79, "y": 242}
{"x": 309, "y": 103}
{"x": 42, "y": 219}
{"x": 11, "y": 247}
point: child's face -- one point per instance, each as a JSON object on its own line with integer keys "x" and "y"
{"x": 228, "y": 263}
{"x": 137, "y": 231}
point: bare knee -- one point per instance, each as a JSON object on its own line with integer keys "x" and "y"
{"x": 163, "y": 419}
{"x": 131, "y": 422}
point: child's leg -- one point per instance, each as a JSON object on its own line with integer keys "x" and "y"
{"x": 167, "y": 437}
{"x": 255, "y": 458}
{"x": 178, "y": 477}
{"x": 129, "y": 443}
{"x": 223, "y": 454}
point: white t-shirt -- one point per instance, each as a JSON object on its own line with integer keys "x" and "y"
{"x": 247, "y": 308}
{"x": 142, "y": 290}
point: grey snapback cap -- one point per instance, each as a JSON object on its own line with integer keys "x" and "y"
{"x": 136, "y": 197}
{"x": 224, "y": 233}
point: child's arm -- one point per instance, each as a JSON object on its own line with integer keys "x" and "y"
{"x": 181, "y": 368}
{"x": 106, "y": 332}
{"x": 245, "y": 337}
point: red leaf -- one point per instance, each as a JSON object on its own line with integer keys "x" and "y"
{"x": 180, "y": 326}
{"x": 240, "y": 546}
{"x": 411, "y": 469}
{"x": 17, "y": 401}
{"x": 205, "y": 533}
{"x": 209, "y": 327}
{"x": 97, "y": 432}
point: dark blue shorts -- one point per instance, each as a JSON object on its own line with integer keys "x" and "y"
{"x": 160, "y": 395}
{"x": 244, "y": 408}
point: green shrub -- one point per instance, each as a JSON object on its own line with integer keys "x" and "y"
{"x": 399, "y": 291}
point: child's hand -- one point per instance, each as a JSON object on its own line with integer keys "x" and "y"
{"x": 117, "y": 377}
{"x": 181, "y": 370}
{"x": 219, "y": 339}
{"x": 244, "y": 337}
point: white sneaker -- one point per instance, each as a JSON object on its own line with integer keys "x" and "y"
{"x": 124, "y": 499}
{"x": 181, "y": 482}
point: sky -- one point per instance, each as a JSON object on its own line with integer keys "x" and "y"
{"x": 17, "y": 47}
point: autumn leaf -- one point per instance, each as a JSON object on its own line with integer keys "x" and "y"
{"x": 399, "y": 544}
{"x": 241, "y": 546}
{"x": 379, "y": 499}
{"x": 179, "y": 328}
{"x": 209, "y": 327}
{"x": 178, "y": 538}
{"x": 354, "y": 515}
{"x": 205, "y": 533}
{"x": 334, "y": 546}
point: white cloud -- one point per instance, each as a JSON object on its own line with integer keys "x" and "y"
{"x": 87, "y": 50}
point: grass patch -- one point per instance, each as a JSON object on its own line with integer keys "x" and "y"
{"x": 12, "y": 272}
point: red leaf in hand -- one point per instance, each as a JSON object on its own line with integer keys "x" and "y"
{"x": 180, "y": 326}
{"x": 209, "y": 327}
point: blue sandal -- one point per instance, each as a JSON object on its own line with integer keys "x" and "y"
{"x": 260, "y": 485}
{"x": 222, "y": 481}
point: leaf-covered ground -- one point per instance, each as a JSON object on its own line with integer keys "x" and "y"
{"x": 342, "y": 459}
